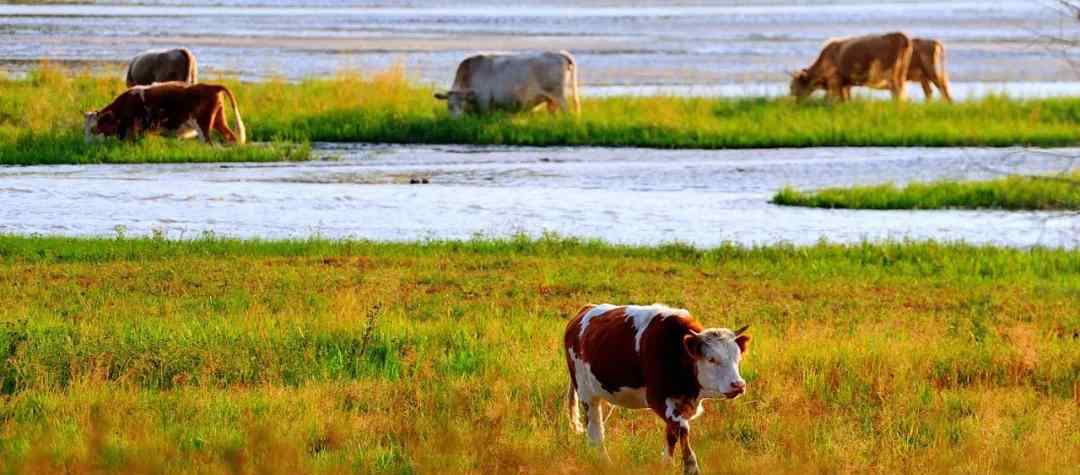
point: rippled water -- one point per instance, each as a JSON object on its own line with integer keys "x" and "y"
{"x": 719, "y": 47}
{"x": 621, "y": 195}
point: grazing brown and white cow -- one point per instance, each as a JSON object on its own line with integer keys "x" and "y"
{"x": 652, "y": 357}
{"x": 162, "y": 66}
{"x": 514, "y": 82}
{"x": 169, "y": 106}
{"x": 874, "y": 61}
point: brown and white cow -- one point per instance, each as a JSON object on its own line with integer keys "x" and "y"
{"x": 652, "y": 357}
{"x": 169, "y": 106}
{"x": 874, "y": 61}
{"x": 514, "y": 82}
{"x": 154, "y": 66}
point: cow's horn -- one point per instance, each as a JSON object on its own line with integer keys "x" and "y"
{"x": 741, "y": 330}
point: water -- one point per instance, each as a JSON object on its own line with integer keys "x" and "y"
{"x": 706, "y": 47}
{"x": 620, "y": 195}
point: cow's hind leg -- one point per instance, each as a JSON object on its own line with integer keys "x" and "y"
{"x": 929, "y": 93}
{"x": 943, "y": 87}
{"x": 573, "y": 406}
{"x": 206, "y": 124}
{"x": 222, "y": 126}
{"x": 594, "y": 416}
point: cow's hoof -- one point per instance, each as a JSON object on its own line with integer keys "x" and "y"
{"x": 691, "y": 469}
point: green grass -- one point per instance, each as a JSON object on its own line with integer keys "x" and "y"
{"x": 43, "y": 113}
{"x": 1011, "y": 193}
{"x": 211, "y": 356}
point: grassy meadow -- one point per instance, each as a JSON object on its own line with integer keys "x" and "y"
{"x": 209, "y": 356}
{"x": 41, "y": 120}
{"x": 1016, "y": 192}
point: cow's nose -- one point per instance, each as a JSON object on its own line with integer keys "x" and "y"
{"x": 738, "y": 385}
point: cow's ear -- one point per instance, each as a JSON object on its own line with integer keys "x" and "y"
{"x": 442, "y": 96}
{"x": 692, "y": 343}
{"x": 744, "y": 343}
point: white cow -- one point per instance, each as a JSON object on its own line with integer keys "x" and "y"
{"x": 514, "y": 82}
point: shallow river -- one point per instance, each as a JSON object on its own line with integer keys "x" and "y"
{"x": 621, "y": 195}
{"x": 701, "y": 47}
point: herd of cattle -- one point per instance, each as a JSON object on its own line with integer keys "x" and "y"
{"x": 163, "y": 93}
{"x": 637, "y": 357}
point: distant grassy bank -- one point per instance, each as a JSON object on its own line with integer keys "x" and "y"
{"x": 1011, "y": 193}
{"x": 220, "y": 356}
{"x": 41, "y": 120}
{"x": 41, "y": 116}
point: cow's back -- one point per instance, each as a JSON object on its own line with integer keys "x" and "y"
{"x": 871, "y": 60}
{"x": 602, "y": 339}
{"x": 160, "y": 66}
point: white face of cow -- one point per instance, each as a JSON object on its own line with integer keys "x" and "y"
{"x": 88, "y": 126}
{"x": 717, "y": 353}
{"x": 457, "y": 102}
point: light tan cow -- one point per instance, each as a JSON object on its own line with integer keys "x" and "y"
{"x": 928, "y": 66}
{"x": 154, "y": 66}
{"x": 875, "y": 61}
{"x": 514, "y": 82}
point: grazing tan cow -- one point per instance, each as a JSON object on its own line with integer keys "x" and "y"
{"x": 154, "y": 66}
{"x": 875, "y": 61}
{"x": 928, "y": 66}
{"x": 514, "y": 82}
{"x": 652, "y": 357}
{"x": 168, "y": 106}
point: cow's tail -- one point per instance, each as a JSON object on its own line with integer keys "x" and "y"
{"x": 242, "y": 139}
{"x": 573, "y": 407}
{"x": 940, "y": 71}
{"x": 571, "y": 63}
{"x": 900, "y": 72}
{"x": 192, "y": 67}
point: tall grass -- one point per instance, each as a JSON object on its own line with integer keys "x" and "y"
{"x": 388, "y": 107}
{"x": 155, "y": 356}
{"x": 1011, "y": 193}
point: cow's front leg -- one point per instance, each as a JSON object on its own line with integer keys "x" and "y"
{"x": 690, "y": 464}
{"x": 672, "y": 438}
{"x": 899, "y": 91}
{"x": 204, "y": 135}
{"x": 834, "y": 92}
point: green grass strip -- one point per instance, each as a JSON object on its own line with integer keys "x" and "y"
{"x": 1009, "y": 193}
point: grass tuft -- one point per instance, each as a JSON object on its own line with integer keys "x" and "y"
{"x": 1010, "y": 193}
